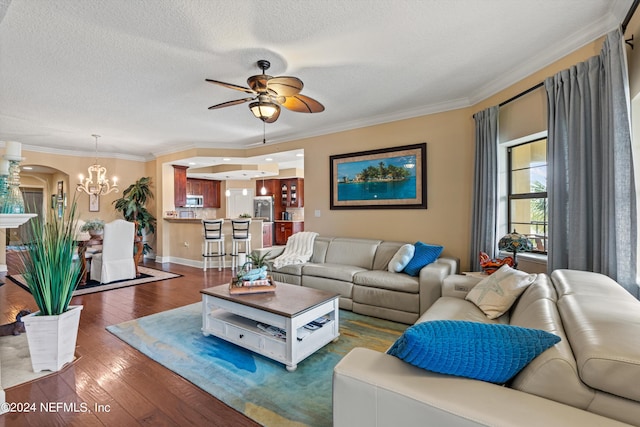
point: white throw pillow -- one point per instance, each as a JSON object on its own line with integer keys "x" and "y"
{"x": 401, "y": 258}
{"x": 496, "y": 294}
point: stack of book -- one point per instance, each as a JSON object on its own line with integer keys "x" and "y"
{"x": 252, "y": 287}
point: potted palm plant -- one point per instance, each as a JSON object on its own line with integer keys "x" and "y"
{"x": 52, "y": 274}
{"x": 132, "y": 204}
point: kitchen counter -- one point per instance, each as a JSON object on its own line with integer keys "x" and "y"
{"x": 183, "y": 220}
{"x": 185, "y": 235}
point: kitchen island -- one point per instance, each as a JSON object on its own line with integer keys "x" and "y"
{"x": 185, "y": 235}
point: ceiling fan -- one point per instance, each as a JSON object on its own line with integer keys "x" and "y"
{"x": 270, "y": 93}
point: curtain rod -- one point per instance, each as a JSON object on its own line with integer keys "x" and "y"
{"x": 523, "y": 93}
{"x": 624, "y": 24}
{"x": 630, "y": 13}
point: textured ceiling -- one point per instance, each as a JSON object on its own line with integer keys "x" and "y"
{"x": 134, "y": 71}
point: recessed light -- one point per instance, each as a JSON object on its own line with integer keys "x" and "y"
{"x": 226, "y": 159}
{"x": 27, "y": 168}
{"x": 300, "y": 155}
{"x": 268, "y": 159}
{"x": 192, "y": 163}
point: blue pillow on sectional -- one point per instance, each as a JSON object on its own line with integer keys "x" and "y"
{"x": 423, "y": 255}
{"x": 483, "y": 351}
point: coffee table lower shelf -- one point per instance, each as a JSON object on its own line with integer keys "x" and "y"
{"x": 238, "y": 324}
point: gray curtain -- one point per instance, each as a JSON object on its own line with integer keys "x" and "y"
{"x": 592, "y": 206}
{"x": 485, "y": 189}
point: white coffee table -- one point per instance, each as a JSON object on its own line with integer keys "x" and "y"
{"x": 235, "y": 318}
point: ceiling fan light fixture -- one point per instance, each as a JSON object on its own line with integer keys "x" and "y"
{"x": 264, "y": 111}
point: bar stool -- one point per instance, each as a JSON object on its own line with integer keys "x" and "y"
{"x": 240, "y": 231}
{"x": 212, "y": 236}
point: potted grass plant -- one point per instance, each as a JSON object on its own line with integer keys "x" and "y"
{"x": 52, "y": 274}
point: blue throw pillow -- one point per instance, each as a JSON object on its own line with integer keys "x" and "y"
{"x": 423, "y": 255}
{"x": 482, "y": 351}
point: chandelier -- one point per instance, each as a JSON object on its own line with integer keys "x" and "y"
{"x": 96, "y": 184}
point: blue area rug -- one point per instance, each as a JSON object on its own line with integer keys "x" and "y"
{"x": 258, "y": 387}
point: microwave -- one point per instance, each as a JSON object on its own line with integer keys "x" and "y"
{"x": 195, "y": 201}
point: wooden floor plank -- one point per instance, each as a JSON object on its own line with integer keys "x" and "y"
{"x": 137, "y": 390}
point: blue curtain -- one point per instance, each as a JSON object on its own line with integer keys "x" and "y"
{"x": 592, "y": 205}
{"x": 485, "y": 189}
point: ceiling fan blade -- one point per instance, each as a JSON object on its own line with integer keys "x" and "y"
{"x": 231, "y": 86}
{"x": 285, "y": 85}
{"x": 302, "y": 104}
{"x": 258, "y": 82}
{"x": 230, "y": 103}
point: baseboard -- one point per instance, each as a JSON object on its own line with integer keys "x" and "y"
{"x": 187, "y": 262}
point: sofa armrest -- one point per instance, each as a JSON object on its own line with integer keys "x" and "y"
{"x": 458, "y": 285}
{"x": 431, "y": 278}
{"x": 273, "y": 252}
{"x": 375, "y": 389}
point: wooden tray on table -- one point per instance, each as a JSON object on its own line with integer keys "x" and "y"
{"x": 255, "y": 287}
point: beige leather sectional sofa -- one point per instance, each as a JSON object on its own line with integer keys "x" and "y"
{"x": 357, "y": 270}
{"x": 590, "y": 378}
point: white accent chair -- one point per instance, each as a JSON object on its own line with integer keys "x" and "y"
{"x": 212, "y": 236}
{"x": 240, "y": 234}
{"x": 115, "y": 262}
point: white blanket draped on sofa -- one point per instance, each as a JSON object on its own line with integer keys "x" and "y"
{"x": 298, "y": 250}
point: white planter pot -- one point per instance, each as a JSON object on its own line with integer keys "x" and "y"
{"x": 52, "y": 339}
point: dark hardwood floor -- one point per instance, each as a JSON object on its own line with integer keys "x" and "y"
{"x": 108, "y": 372}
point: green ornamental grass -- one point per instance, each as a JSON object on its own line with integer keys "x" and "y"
{"x": 49, "y": 268}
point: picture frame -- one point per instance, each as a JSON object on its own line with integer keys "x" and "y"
{"x": 60, "y": 192}
{"x": 388, "y": 178}
{"x": 94, "y": 202}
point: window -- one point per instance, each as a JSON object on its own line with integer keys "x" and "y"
{"x": 527, "y": 191}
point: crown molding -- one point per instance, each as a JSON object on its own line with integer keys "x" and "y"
{"x": 550, "y": 55}
{"x": 76, "y": 153}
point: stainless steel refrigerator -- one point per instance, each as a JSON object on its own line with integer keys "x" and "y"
{"x": 263, "y": 208}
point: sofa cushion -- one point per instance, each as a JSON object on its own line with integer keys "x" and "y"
{"x": 355, "y": 252}
{"x": 384, "y": 252}
{"x": 320, "y": 246}
{"x": 454, "y": 308}
{"x": 496, "y": 293}
{"x": 385, "y": 280}
{"x": 293, "y": 269}
{"x": 483, "y": 351}
{"x": 332, "y": 271}
{"x": 424, "y": 254}
{"x": 401, "y": 258}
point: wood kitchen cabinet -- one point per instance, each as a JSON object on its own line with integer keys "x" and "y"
{"x": 194, "y": 187}
{"x": 267, "y": 234}
{"x": 183, "y": 186}
{"x": 272, "y": 186}
{"x": 179, "y": 185}
{"x": 284, "y": 230}
{"x": 209, "y": 189}
{"x": 211, "y": 193}
{"x": 292, "y": 192}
